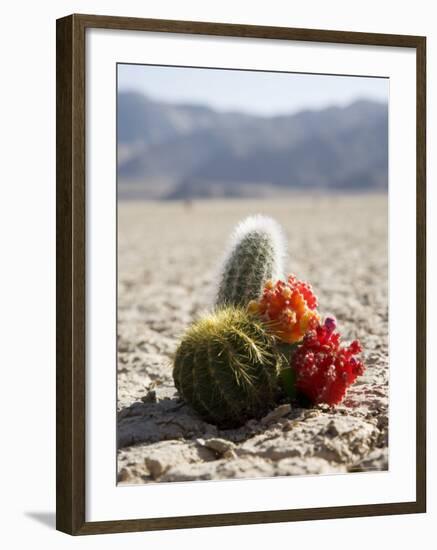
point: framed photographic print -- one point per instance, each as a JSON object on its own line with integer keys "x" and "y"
{"x": 240, "y": 274}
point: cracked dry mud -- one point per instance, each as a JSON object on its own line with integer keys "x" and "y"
{"x": 167, "y": 256}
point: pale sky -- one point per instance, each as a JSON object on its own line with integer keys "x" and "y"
{"x": 262, "y": 93}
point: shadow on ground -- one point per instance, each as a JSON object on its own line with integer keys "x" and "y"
{"x": 45, "y": 518}
{"x": 149, "y": 422}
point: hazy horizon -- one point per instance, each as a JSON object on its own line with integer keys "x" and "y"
{"x": 259, "y": 93}
{"x": 236, "y": 111}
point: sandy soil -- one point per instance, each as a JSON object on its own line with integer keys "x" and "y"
{"x": 167, "y": 255}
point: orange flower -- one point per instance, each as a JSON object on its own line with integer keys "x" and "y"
{"x": 289, "y": 307}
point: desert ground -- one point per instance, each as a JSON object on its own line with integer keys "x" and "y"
{"x": 167, "y": 257}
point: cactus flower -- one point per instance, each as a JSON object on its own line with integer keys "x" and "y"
{"x": 289, "y": 308}
{"x": 324, "y": 369}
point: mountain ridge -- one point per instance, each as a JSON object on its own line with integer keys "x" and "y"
{"x": 201, "y": 152}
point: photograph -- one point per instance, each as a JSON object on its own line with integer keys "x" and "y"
{"x": 252, "y": 274}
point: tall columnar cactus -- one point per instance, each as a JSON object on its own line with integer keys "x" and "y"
{"x": 227, "y": 366}
{"x": 255, "y": 254}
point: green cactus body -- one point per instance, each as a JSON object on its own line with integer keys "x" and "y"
{"x": 227, "y": 366}
{"x": 255, "y": 255}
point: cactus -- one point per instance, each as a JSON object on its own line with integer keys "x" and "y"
{"x": 227, "y": 366}
{"x": 255, "y": 255}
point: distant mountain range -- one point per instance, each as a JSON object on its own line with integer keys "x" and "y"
{"x": 179, "y": 151}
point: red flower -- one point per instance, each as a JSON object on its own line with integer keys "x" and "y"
{"x": 289, "y": 307}
{"x": 324, "y": 370}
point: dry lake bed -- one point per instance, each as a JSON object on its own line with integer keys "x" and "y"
{"x": 167, "y": 257}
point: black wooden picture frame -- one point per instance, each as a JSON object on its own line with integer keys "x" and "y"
{"x": 71, "y": 274}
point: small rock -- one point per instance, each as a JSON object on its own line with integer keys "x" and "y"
{"x": 276, "y": 414}
{"x": 219, "y": 445}
{"x": 155, "y": 466}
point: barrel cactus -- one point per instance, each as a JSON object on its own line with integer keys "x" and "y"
{"x": 226, "y": 367}
{"x": 255, "y": 255}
